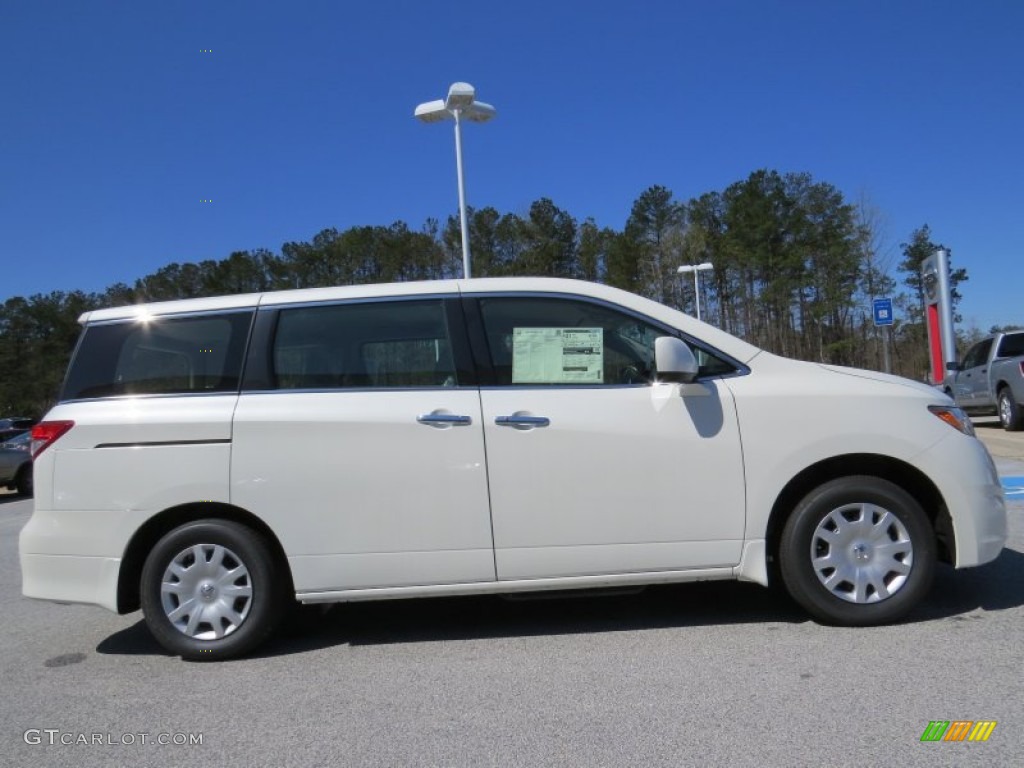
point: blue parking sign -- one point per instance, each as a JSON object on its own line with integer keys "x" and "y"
{"x": 883, "y": 311}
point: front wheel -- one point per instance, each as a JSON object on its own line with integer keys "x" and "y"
{"x": 1011, "y": 415}
{"x": 210, "y": 590}
{"x": 858, "y": 551}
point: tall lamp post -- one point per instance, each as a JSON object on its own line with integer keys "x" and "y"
{"x": 461, "y": 104}
{"x": 696, "y": 269}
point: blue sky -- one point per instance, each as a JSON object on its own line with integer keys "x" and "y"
{"x": 116, "y": 124}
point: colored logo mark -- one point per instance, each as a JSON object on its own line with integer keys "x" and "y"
{"x": 958, "y": 730}
{"x": 1014, "y": 487}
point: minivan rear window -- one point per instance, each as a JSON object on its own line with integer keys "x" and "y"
{"x": 160, "y": 356}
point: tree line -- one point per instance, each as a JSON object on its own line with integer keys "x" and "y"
{"x": 795, "y": 269}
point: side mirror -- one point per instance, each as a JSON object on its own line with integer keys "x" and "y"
{"x": 953, "y": 366}
{"x": 674, "y": 360}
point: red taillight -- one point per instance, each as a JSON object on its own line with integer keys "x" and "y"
{"x": 45, "y": 433}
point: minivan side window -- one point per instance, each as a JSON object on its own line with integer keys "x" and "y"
{"x": 358, "y": 345}
{"x": 159, "y": 356}
{"x": 554, "y": 341}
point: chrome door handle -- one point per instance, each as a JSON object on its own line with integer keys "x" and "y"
{"x": 522, "y": 422}
{"x": 444, "y": 420}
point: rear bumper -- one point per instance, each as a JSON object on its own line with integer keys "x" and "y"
{"x": 73, "y": 557}
{"x": 71, "y": 579}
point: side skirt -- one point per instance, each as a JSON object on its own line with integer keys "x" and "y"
{"x": 522, "y": 585}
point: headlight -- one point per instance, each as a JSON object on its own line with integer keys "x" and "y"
{"x": 955, "y": 417}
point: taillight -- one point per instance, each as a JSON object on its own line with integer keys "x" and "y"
{"x": 46, "y": 433}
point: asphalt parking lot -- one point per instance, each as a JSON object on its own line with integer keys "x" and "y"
{"x": 1001, "y": 444}
{"x": 705, "y": 674}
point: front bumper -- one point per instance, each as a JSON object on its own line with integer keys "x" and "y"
{"x": 967, "y": 478}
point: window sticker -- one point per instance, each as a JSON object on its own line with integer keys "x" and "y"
{"x": 558, "y": 356}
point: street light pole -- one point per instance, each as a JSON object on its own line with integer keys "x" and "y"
{"x": 696, "y": 269}
{"x": 460, "y": 104}
{"x": 463, "y": 223}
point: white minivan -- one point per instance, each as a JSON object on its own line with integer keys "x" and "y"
{"x": 214, "y": 460}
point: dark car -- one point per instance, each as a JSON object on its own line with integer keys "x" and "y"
{"x": 14, "y": 426}
{"x": 16, "y": 464}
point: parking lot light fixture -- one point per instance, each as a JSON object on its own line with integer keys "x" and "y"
{"x": 460, "y": 104}
{"x": 696, "y": 269}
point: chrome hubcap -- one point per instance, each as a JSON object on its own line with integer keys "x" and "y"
{"x": 861, "y": 553}
{"x": 1004, "y": 410}
{"x": 206, "y": 592}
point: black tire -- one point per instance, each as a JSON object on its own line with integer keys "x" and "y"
{"x": 23, "y": 483}
{"x": 893, "y": 558}
{"x": 231, "y": 559}
{"x": 1011, "y": 415}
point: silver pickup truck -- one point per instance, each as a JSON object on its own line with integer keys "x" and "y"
{"x": 990, "y": 379}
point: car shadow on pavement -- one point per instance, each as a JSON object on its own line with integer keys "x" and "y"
{"x": 483, "y": 617}
{"x": 135, "y": 640}
{"x": 956, "y": 596}
{"x": 997, "y": 586}
{"x": 313, "y": 627}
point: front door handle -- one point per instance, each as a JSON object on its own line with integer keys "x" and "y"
{"x": 442, "y": 420}
{"x": 517, "y": 421}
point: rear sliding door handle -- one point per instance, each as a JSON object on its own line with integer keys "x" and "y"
{"x": 444, "y": 420}
{"x": 522, "y": 422}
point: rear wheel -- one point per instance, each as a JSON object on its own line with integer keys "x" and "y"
{"x": 210, "y": 589}
{"x": 1011, "y": 415}
{"x": 23, "y": 483}
{"x": 858, "y": 551}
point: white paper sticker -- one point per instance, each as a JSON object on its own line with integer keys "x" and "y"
{"x": 558, "y": 356}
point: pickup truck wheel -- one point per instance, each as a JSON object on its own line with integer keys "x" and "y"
{"x": 858, "y": 551}
{"x": 210, "y": 590}
{"x": 1011, "y": 415}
